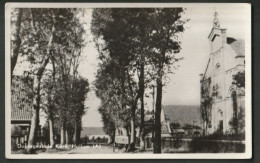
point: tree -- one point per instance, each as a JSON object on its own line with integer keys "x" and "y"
{"x": 239, "y": 79}
{"x": 206, "y": 102}
{"x": 175, "y": 125}
{"x": 108, "y": 89}
{"x": 44, "y": 31}
{"x": 237, "y": 122}
{"x": 16, "y": 41}
{"x": 80, "y": 89}
{"x": 128, "y": 49}
{"x": 48, "y": 93}
{"x": 134, "y": 36}
{"x": 119, "y": 51}
{"x": 39, "y": 60}
{"x": 164, "y": 27}
{"x": 109, "y": 125}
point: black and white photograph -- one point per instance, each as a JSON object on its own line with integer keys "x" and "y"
{"x": 128, "y": 80}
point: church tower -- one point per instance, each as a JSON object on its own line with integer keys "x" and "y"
{"x": 217, "y": 36}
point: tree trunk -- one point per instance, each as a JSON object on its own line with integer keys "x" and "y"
{"x": 157, "y": 138}
{"x": 113, "y": 140}
{"x": 128, "y": 136}
{"x": 67, "y": 137}
{"x": 132, "y": 134}
{"x": 206, "y": 133}
{"x": 51, "y": 123}
{"x": 142, "y": 141}
{"x": 52, "y": 143}
{"x": 141, "y": 87}
{"x": 62, "y": 135}
{"x": 17, "y": 40}
{"x": 78, "y": 133}
{"x": 34, "y": 128}
{"x": 36, "y": 98}
{"x": 75, "y": 134}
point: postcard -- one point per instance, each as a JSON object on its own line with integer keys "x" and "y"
{"x": 128, "y": 81}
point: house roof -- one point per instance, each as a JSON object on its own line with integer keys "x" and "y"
{"x": 87, "y": 131}
{"x": 21, "y": 106}
{"x": 183, "y": 114}
{"x": 234, "y": 48}
{"x": 238, "y": 45}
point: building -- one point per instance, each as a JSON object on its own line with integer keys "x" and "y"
{"x": 183, "y": 115}
{"x": 21, "y": 110}
{"x": 222, "y": 101}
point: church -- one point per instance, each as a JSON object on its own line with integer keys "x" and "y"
{"x": 222, "y": 98}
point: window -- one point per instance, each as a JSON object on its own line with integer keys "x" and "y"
{"x": 23, "y": 128}
{"x": 217, "y": 66}
{"x": 209, "y": 124}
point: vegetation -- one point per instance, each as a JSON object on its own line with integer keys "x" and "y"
{"x": 50, "y": 41}
{"x": 137, "y": 48}
{"x": 237, "y": 122}
{"x": 239, "y": 79}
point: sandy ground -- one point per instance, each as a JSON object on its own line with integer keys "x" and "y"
{"x": 84, "y": 150}
{"x": 94, "y": 150}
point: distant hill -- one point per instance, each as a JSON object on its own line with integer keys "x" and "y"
{"x": 86, "y": 131}
{"x": 183, "y": 114}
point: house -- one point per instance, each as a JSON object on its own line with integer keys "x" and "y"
{"x": 21, "y": 110}
{"x": 223, "y": 102}
{"x": 179, "y": 114}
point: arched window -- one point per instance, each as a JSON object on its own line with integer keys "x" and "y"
{"x": 220, "y": 113}
{"x": 217, "y": 66}
{"x": 220, "y": 122}
{"x": 235, "y": 112}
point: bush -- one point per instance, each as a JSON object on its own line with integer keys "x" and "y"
{"x": 215, "y": 146}
{"x": 220, "y": 136}
{"x": 218, "y": 143}
{"x": 16, "y": 131}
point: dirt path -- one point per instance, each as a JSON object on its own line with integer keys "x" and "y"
{"x": 94, "y": 150}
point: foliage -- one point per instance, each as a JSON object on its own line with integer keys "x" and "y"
{"x": 120, "y": 54}
{"x": 108, "y": 89}
{"x": 16, "y": 131}
{"x": 206, "y": 102}
{"x": 189, "y": 126}
{"x": 238, "y": 123}
{"x": 16, "y": 19}
{"x": 51, "y": 41}
{"x": 175, "y": 125}
{"x": 239, "y": 79}
{"x": 134, "y": 42}
{"x": 202, "y": 145}
{"x": 208, "y": 93}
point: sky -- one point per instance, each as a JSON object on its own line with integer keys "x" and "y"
{"x": 184, "y": 86}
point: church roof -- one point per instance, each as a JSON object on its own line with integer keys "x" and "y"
{"x": 87, "y": 131}
{"x": 183, "y": 114}
{"x": 238, "y": 45}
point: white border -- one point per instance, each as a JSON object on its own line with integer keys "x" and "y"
{"x": 248, "y": 90}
